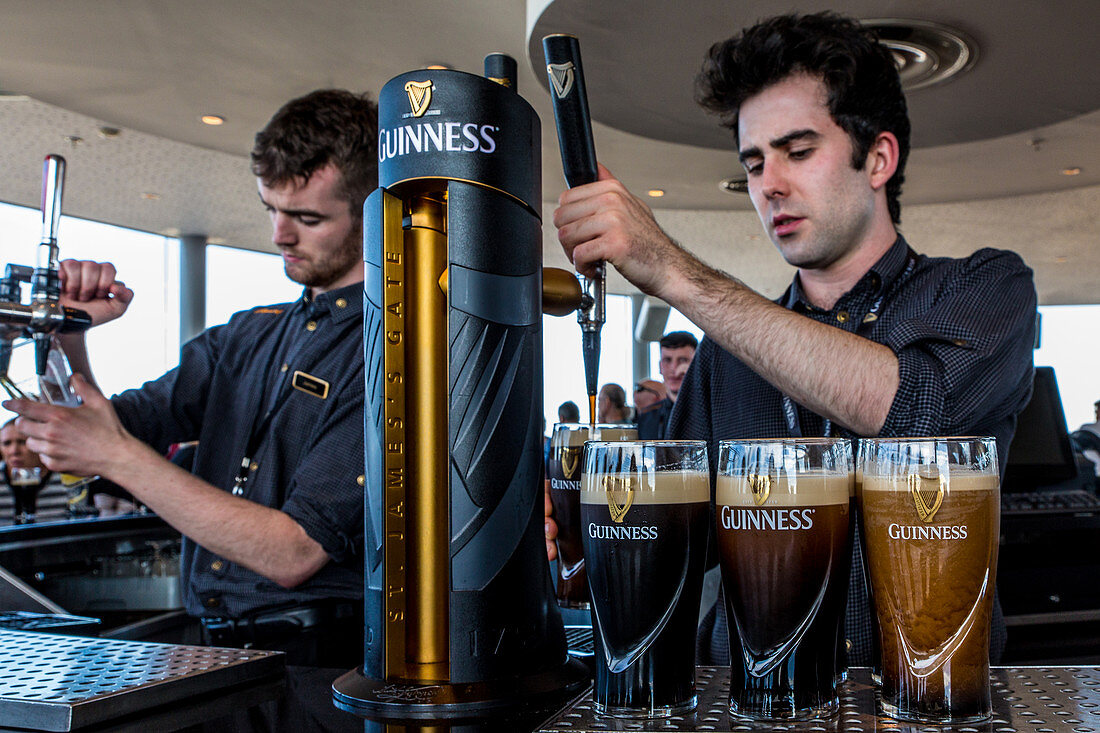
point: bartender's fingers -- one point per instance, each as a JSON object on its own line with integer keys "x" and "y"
{"x": 122, "y": 294}
{"x": 30, "y": 409}
{"x": 550, "y": 527}
{"x": 84, "y": 280}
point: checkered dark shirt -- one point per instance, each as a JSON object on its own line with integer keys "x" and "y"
{"x": 308, "y": 454}
{"x": 963, "y": 331}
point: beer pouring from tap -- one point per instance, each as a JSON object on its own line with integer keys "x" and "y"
{"x": 578, "y": 157}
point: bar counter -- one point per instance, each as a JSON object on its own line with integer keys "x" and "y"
{"x": 1025, "y": 699}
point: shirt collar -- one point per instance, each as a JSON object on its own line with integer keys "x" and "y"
{"x": 341, "y": 303}
{"x": 876, "y": 279}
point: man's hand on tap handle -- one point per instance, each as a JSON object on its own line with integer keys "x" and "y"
{"x": 93, "y": 287}
{"x": 604, "y": 221}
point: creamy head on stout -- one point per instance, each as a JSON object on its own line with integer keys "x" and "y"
{"x": 615, "y": 432}
{"x": 802, "y": 488}
{"x": 571, "y": 438}
{"x": 660, "y": 487}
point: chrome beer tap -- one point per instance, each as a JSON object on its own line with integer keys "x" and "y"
{"x": 44, "y": 315}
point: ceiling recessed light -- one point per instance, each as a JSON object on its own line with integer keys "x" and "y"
{"x": 734, "y": 185}
{"x": 656, "y": 192}
{"x": 212, "y": 120}
{"x": 925, "y": 53}
{"x": 150, "y": 196}
{"x": 1074, "y": 171}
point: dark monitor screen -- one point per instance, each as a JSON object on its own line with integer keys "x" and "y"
{"x": 1041, "y": 452}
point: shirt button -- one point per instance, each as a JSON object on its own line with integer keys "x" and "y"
{"x": 341, "y": 303}
{"x": 362, "y": 480}
{"x": 869, "y": 318}
{"x": 253, "y": 466}
{"x": 311, "y": 326}
{"x": 284, "y": 367}
{"x": 217, "y": 565}
{"x": 842, "y": 316}
{"x": 212, "y": 602}
{"x": 959, "y": 342}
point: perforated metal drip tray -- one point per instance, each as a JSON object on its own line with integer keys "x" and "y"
{"x": 50, "y": 682}
{"x": 1025, "y": 699}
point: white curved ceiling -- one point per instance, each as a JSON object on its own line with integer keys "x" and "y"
{"x": 1029, "y": 108}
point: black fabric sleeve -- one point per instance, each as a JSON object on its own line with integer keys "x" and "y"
{"x": 967, "y": 360}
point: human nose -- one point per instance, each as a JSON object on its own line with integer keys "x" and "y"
{"x": 773, "y": 179}
{"x": 282, "y": 229}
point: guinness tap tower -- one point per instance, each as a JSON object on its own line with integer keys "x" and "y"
{"x": 460, "y": 613}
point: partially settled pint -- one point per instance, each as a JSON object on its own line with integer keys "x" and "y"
{"x": 783, "y": 541}
{"x": 932, "y": 527}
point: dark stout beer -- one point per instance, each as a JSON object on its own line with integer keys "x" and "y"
{"x": 783, "y": 544}
{"x": 645, "y": 544}
{"x": 564, "y": 474}
{"x": 932, "y": 580}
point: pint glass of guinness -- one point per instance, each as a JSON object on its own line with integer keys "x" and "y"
{"x": 645, "y": 508}
{"x": 782, "y": 509}
{"x": 931, "y": 516}
{"x": 563, "y": 471}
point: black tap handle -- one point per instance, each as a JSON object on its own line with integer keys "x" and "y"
{"x": 501, "y": 68}
{"x": 570, "y": 99}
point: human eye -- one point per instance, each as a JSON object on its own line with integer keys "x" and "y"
{"x": 753, "y": 166}
{"x": 801, "y": 153}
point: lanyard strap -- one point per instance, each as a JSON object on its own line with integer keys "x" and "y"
{"x": 790, "y": 409}
{"x": 263, "y": 416}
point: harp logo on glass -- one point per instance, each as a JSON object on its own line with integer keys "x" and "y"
{"x": 620, "y": 496}
{"x": 570, "y": 460}
{"x": 561, "y": 78}
{"x": 927, "y": 493}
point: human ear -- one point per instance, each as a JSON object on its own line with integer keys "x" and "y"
{"x": 882, "y": 159}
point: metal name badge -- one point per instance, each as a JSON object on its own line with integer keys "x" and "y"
{"x": 310, "y": 384}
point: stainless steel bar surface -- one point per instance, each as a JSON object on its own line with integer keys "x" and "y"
{"x": 50, "y": 682}
{"x": 1025, "y": 699}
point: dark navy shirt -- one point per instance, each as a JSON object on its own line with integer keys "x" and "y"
{"x": 282, "y": 384}
{"x": 653, "y": 423}
{"x": 963, "y": 331}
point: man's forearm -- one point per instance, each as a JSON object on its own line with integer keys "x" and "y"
{"x": 265, "y": 540}
{"x": 844, "y": 377}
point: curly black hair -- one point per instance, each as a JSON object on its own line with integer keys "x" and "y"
{"x": 325, "y": 126}
{"x": 864, "y": 90}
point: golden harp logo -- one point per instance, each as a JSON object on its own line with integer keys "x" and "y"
{"x": 570, "y": 461}
{"x": 620, "y": 495}
{"x": 420, "y": 96}
{"x": 760, "y": 484}
{"x": 561, "y": 77}
{"x": 927, "y": 493}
